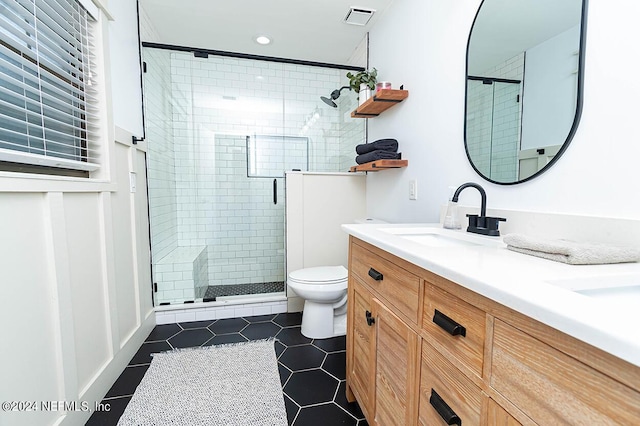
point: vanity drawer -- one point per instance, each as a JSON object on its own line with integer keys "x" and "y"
{"x": 551, "y": 387}
{"x": 457, "y": 326}
{"x": 445, "y": 392}
{"x": 397, "y": 285}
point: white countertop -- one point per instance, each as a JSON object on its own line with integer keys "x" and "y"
{"x": 520, "y": 282}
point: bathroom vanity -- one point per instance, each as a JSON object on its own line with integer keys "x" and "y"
{"x": 447, "y": 328}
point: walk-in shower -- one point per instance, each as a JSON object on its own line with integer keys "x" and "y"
{"x": 221, "y": 132}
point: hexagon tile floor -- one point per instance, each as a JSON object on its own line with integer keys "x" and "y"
{"x": 312, "y": 372}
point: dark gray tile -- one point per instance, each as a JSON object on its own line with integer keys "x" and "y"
{"x": 223, "y": 339}
{"x": 163, "y": 332}
{"x": 336, "y": 364}
{"x": 229, "y": 325}
{"x": 288, "y": 319}
{"x": 333, "y": 344}
{"x": 341, "y": 399}
{"x": 260, "y": 330}
{"x": 292, "y": 336}
{"x": 322, "y": 415}
{"x": 292, "y": 409}
{"x": 311, "y": 387}
{"x": 143, "y": 356}
{"x": 128, "y": 381}
{"x": 285, "y": 373}
{"x": 305, "y": 357}
{"x": 279, "y": 348}
{"x": 190, "y": 338}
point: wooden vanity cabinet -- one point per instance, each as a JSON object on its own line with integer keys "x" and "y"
{"x": 361, "y": 347}
{"x": 498, "y": 416}
{"x": 382, "y": 349}
{"x": 424, "y": 350}
{"x": 553, "y": 388}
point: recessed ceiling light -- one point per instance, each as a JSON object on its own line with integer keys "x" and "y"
{"x": 263, "y": 39}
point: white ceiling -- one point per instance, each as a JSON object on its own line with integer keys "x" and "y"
{"x": 311, "y": 30}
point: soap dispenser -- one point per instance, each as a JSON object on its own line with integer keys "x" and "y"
{"x": 451, "y": 218}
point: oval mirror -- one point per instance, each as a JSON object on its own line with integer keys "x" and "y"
{"x": 524, "y": 86}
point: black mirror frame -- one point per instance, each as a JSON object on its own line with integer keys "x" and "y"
{"x": 576, "y": 119}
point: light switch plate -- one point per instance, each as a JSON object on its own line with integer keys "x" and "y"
{"x": 133, "y": 182}
{"x": 413, "y": 189}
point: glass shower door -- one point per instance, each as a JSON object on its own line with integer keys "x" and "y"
{"x": 221, "y": 132}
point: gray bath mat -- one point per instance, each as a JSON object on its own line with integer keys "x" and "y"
{"x": 236, "y": 384}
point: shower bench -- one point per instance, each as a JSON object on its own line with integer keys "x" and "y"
{"x": 182, "y": 274}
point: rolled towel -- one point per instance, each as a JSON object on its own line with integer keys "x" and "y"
{"x": 378, "y": 155}
{"x": 390, "y": 145}
{"x": 571, "y": 252}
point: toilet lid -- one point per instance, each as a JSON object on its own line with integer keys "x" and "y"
{"x": 320, "y": 275}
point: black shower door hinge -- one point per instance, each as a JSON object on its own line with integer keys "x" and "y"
{"x": 155, "y": 287}
{"x": 144, "y": 67}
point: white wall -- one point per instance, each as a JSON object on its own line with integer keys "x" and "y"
{"x": 550, "y": 71}
{"x": 317, "y": 204}
{"x": 75, "y": 295}
{"x": 422, "y": 45}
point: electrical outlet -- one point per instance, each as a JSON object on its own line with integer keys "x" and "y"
{"x": 413, "y": 189}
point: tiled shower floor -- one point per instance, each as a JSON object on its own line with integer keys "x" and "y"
{"x": 312, "y": 372}
{"x": 214, "y": 291}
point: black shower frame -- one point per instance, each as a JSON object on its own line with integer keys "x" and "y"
{"x": 203, "y": 53}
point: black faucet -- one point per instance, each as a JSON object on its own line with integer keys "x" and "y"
{"x": 480, "y": 224}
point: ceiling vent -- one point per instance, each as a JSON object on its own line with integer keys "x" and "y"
{"x": 358, "y": 16}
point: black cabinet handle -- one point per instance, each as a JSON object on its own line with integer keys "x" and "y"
{"x": 448, "y": 415}
{"x": 370, "y": 319}
{"x": 449, "y": 325}
{"x": 375, "y": 274}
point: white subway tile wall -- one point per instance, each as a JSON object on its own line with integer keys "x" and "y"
{"x": 199, "y": 114}
{"x": 224, "y": 310}
{"x": 493, "y": 121}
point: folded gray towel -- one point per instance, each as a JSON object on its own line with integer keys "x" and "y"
{"x": 570, "y": 251}
{"x": 381, "y": 144}
{"x": 378, "y": 155}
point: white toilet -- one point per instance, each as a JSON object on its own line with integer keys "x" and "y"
{"x": 324, "y": 290}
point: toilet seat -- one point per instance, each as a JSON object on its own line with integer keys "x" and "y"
{"x": 322, "y": 275}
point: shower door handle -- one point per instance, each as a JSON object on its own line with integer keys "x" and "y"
{"x": 275, "y": 191}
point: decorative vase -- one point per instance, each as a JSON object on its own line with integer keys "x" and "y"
{"x": 364, "y": 94}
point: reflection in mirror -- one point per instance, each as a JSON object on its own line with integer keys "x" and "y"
{"x": 524, "y": 79}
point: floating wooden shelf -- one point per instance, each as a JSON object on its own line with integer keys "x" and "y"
{"x": 375, "y": 166}
{"x": 381, "y": 101}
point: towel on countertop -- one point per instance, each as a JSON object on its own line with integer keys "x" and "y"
{"x": 390, "y": 145}
{"x": 571, "y": 252}
{"x": 378, "y": 155}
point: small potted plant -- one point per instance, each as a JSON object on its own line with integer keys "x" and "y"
{"x": 363, "y": 81}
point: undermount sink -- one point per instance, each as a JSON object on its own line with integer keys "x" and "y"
{"x": 598, "y": 283}
{"x": 437, "y": 237}
{"x": 621, "y": 291}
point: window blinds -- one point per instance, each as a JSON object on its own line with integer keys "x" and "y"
{"x": 48, "y": 98}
